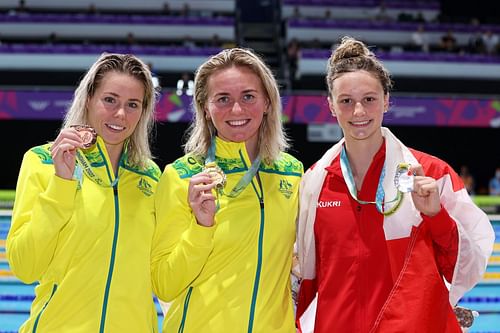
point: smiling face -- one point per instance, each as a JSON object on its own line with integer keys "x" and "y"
{"x": 358, "y": 101}
{"x": 115, "y": 109}
{"x": 236, "y": 105}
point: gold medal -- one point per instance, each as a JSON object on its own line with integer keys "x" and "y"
{"x": 216, "y": 174}
{"x": 403, "y": 180}
{"x": 87, "y": 134}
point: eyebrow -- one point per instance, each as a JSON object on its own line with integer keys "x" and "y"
{"x": 370, "y": 93}
{"x": 224, "y": 93}
{"x": 116, "y": 95}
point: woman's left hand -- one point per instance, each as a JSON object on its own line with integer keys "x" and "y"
{"x": 425, "y": 192}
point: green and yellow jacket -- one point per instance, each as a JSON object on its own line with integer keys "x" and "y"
{"x": 235, "y": 276}
{"x": 87, "y": 246}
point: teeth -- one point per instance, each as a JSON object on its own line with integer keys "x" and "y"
{"x": 237, "y": 122}
{"x": 360, "y": 122}
{"x": 116, "y": 127}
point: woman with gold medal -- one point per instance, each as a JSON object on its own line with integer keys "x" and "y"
{"x": 83, "y": 217}
{"x": 388, "y": 238}
{"x": 226, "y": 211}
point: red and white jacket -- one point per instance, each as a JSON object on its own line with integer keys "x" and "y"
{"x": 363, "y": 272}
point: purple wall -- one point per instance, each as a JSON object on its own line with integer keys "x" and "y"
{"x": 406, "y": 111}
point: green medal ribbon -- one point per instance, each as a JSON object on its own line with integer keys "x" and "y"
{"x": 242, "y": 183}
{"x": 83, "y": 165}
{"x": 380, "y": 196}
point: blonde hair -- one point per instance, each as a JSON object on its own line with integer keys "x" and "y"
{"x": 353, "y": 55}
{"x": 138, "y": 146}
{"x": 272, "y": 138}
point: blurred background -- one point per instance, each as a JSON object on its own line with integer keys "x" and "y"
{"x": 444, "y": 57}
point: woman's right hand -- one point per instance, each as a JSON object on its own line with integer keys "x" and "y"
{"x": 201, "y": 199}
{"x": 63, "y": 152}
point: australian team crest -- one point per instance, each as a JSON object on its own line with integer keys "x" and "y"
{"x": 145, "y": 187}
{"x": 286, "y": 188}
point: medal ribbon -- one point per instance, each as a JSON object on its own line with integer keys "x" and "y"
{"x": 380, "y": 195}
{"x": 83, "y": 164}
{"x": 244, "y": 180}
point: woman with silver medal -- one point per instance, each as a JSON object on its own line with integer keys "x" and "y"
{"x": 83, "y": 219}
{"x": 226, "y": 211}
{"x": 388, "y": 238}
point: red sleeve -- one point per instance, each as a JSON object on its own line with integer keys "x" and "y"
{"x": 307, "y": 292}
{"x": 444, "y": 234}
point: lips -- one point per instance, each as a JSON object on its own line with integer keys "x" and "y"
{"x": 238, "y": 122}
{"x": 115, "y": 127}
{"x": 360, "y": 123}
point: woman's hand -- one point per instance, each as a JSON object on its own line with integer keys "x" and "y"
{"x": 63, "y": 152}
{"x": 425, "y": 192}
{"x": 201, "y": 199}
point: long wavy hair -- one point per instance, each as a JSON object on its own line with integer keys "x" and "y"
{"x": 138, "y": 144}
{"x": 272, "y": 138}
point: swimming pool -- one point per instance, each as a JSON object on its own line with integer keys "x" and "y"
{"x": 16, "y": 297}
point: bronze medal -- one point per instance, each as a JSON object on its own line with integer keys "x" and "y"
{"x": 87, "y": 134}
{"x": 403, "y": 180}
{"x": 216, "y": 174}
{"x": 465, "y": 316}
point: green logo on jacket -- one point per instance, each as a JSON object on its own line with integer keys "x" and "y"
{"x": 286, "y": 188}
{"x": 145, "y": 187}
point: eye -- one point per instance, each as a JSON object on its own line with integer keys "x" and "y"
{"x": 133, "y": 105}
{"x": 345, "y": 101}
{"x": 109, "y": 99}
{"x": 370, "y": 99}
{"x": 249, "y": 98}
{"x": 223, "y": 100}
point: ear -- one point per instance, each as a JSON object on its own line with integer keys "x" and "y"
{"x": 386, "y": 102}
{"x": 267, "y": 107}
{"x": 330, "y": 106}
{"x": 207, "y": 114}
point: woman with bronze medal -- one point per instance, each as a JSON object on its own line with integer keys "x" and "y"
{"x": 226, "y": 211}
{"x": 83, "y": 217}
{"x": 388, "y": 238}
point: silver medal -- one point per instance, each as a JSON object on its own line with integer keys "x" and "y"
{"x": 403, "y": 180}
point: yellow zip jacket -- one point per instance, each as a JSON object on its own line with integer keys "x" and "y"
{"x": 235, "y": 276}
{"x": 87, "y": 245}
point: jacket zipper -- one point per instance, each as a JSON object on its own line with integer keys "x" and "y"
{"x": 259, "y": 256}
{"x": 112, "y": 260}
{"x": 54, "y": 288}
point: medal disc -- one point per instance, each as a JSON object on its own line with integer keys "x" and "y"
{"x": 464, "y": 316}
{"x": 87, "y": 134}
{"x": 216, "y": 174}
{"x": 403, "y": 180}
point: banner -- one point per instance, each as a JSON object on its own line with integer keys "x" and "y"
{"x": 301, "y": 109}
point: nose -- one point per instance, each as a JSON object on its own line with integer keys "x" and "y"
{"x": 236, "y": 107}
{"x": 359, "y": 109}
{"x": 120, "y": 112}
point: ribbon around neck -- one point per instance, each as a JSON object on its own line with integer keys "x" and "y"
{"x": 244, "y": 180}
{"x": 84, "y": 166}
{"x": 380, "y": 195}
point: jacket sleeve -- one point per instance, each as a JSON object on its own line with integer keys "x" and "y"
{"x": 43, "y": 205}
{"x": 475, "y": 236}
{"x": 445, "y": 239}
{"x": 181, "y": 247}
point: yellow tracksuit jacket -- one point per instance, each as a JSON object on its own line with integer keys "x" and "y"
{"x": 235, "y": 276}
{"x": 87, "y": 246}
